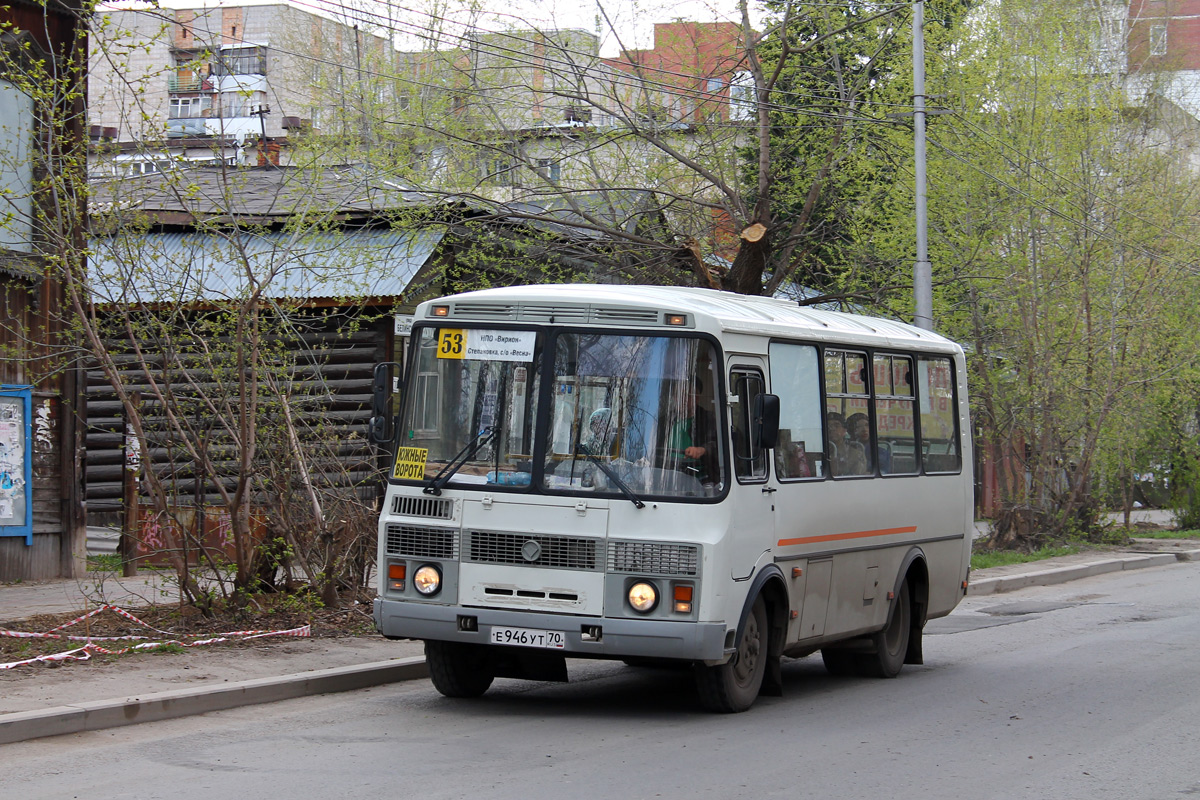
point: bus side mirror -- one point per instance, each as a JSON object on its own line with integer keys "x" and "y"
{"x": 380, "y": 429}
{"x": 766, "y": 421}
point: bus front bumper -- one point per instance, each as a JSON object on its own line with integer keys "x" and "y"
{"x": 619, "y": 638}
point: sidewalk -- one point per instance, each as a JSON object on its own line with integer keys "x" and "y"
{"x": 46, "y": 700}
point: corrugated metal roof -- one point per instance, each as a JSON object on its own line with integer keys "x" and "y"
{"x": 209, "y": 266}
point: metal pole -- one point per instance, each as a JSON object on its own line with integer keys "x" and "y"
{"x": 922, "y": 271}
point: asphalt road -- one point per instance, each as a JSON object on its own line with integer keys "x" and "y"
{"x": 1086, "y": 690}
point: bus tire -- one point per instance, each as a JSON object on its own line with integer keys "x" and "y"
{"x": 733, "y": 686}
{"x": 459, "y": 670}
{"x": 891, "y": 643}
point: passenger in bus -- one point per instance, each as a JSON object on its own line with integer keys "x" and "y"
{"x": 846, "y": 456}
{"x": 694, "y": 436}
{"x": 860, "y": 432}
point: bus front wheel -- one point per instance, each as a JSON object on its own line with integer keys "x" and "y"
{"x": 459, "y": 670}
{"x": 733, "y": 686}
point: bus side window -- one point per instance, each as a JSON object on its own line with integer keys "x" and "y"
{"x": 795, "y": 378}
{"x": 847, "y": 401}
{"x": 895, "y": 446}
{"x": 749, "y": 460}
{"x": 939, "y": 434}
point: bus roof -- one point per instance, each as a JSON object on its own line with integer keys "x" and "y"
{"x": 599, "y": 304}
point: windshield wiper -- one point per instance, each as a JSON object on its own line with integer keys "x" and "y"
{"x": 463, "y": 456}
{"x": 611, "y": 473}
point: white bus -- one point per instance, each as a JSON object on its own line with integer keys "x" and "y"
{"x": 671, "y": 475}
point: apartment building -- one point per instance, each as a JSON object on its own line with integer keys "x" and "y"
{"x": 527, "y": 115}
{"x": 234, "y": 84}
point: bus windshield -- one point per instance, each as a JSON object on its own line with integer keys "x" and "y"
{"x": 629, "y": 415}
{"x": 473, "y": 398}
{"x": 644, "y": 406}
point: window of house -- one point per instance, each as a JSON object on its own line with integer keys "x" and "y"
{"x": 1158, "y": 40}
{"x": 190, "y": 107}
{"x": 742, "y": 101}
{"x": 499, "y": 171}
{"x": 241, "y": 61}
{"x": 714, "y": 85}
{"x": 241, "y": 104}
{"x": 16, "y": 169}
{"x": 549, "y": 169}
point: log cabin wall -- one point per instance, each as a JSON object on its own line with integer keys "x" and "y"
{"x": 335, "y": 373}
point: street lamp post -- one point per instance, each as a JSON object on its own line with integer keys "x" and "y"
{"x": 922, "y": 271}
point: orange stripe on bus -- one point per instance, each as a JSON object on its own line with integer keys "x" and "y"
{"x": 838, "y": 537}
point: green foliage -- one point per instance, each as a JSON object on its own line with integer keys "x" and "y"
{"x": 1185, "y": 485}
{"x": 1002, "y": 558}
{"x": 106, "y": 562}
{"x": 1193, "y": 533}
{"x": 1060, "y": 219}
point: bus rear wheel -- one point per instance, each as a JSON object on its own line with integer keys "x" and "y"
{"x": 891, "y": 643}
{"x": 734, "y": 685}
{"x": 459, "y": 670}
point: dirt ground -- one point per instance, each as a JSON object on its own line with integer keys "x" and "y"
{"x": 342, "y": 637}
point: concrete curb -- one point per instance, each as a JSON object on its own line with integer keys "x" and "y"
{"x": 101, "y": 714}
{"x": 1048, "y": 577}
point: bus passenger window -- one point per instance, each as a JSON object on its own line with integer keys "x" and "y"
{"x": 749, "y": 460}
{"x": 939, "y": 435}
{"x": 895, "y": 446}
{"x": 795, "y": 378}
{"x": 847, "y": 399}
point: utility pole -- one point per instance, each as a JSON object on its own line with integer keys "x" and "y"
{"x": 922, "y": 271}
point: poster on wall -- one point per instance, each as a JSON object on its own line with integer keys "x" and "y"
{"x": 15, "y": 464}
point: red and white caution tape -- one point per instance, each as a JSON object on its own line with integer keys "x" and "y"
{"x": 84, "y": 653}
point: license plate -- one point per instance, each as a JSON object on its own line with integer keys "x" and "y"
{"x": 528, "y": 637}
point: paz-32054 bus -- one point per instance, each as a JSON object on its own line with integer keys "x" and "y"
{"x": 671, "y": 475}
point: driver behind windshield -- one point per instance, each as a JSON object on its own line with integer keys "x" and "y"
{"x": 692, "y": 437}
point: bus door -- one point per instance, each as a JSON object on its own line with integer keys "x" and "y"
{"x": 753, "y": 491}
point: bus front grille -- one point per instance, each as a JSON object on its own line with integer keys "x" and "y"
{"x": 419, "y": 541}
{"x": 533, "y": 550}
{"x": 434, "y": 507}
{"x": 653, "y": 558}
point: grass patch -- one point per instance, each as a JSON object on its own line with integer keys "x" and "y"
{"x": 1192, "y": 534}
{"x": 1002, "y": 558}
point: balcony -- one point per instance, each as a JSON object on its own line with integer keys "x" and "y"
{"x": 196, "y": 83}
{"x": 180, "y": 128}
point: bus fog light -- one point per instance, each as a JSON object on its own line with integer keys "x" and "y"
{"x": 643, "y": 597}
{"x": 427, "y": 580}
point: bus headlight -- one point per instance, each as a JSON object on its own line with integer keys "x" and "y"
{"x": 427, "y": 580}
{"x": 643, "y": 597}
